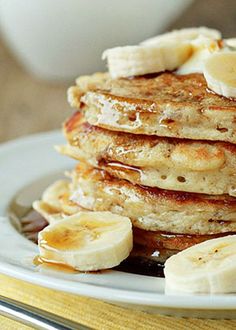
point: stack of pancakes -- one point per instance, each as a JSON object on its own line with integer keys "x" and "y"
{"x": 160, "y": 149}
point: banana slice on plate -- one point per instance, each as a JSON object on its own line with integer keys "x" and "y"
{"x": 139, "y": 60}
{"x": 208, "y": 267}
{"x": 87, "y": 241}
{"x": 220, "y": 73}
{"x": 55, "y": 203}
{"x": 50, "y": 207}
{"x": 184, "y": 35}
{"x": 55, "y": 192}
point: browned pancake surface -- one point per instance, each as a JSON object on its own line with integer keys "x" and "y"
{"x": 164, "y": 105}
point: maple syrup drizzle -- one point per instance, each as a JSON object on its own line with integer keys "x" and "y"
{"x": 119, "y": 166}
{"x": 40, "y": 262}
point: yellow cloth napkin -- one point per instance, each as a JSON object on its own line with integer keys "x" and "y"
{"x": 94, "y": 313}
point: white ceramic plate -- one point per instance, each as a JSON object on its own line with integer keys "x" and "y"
{"x": 31, "y": 164}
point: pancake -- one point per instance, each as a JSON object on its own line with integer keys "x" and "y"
{"x": 158, "y": 241}
{"x": 61, "y": 206}
{"x": 166, "y": 104}
{"x": 167, "y": 163}
{"x": 152, "y": 208}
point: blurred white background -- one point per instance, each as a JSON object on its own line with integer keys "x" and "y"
{"x": 59, "y": 40}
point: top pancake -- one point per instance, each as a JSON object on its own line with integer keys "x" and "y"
{"x": 164, "y": 105}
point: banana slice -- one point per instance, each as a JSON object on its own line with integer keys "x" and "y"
{"x": 54, "y": 193}
{"x": 87, "y": 241}
{"x": 230, "y": 43}
{"x": 203, "y": 48}
{"x": 50, "y": 214}
{"x": 50, "y": 206}
{"x": 208, "y": 267}
{"x": 184, "y": 35}
{"x": 55, "y": 203}
{"x": 220, "y": 73}
{"x": 138, "y": 60}
{"x": 57, "y": 197}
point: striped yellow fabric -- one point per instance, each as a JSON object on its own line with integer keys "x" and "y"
{"x": 95, "y": 314}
